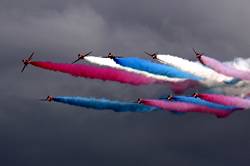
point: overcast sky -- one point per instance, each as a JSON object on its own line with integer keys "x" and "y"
{"x": 35, "y": 133}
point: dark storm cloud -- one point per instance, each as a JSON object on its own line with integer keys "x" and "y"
{"x": 219, "y": 27}
{"x": 35, "y": 133}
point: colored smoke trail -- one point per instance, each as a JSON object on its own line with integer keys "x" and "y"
{"x": 224, "y": 68}
{"x": 103, "y": 104}
{"x": 155, "y": 68}
{"x": 198, "y": 101}
{"x": 211, "y": 77}
{"x": 184, "y": 107}
{"x": 111, "y": 63}
{"x": 103, "y": 73}
{"x": 226, "y": 100}
{"x": 107, "y": 73}
{"x": 176, "y": 84}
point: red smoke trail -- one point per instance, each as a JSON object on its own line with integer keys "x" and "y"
{"x": 103, "y": 73}
{"x": 226, "y": 100}
{"x": 224, "y": 69}
{"x": 184, "y": 107}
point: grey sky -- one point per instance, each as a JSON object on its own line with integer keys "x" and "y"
{"x": 35, "y": 133}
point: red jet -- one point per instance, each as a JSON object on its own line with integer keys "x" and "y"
{"x": 81, "y": 56}
{"x": 154, "y": 55}
{"x": 111, "y": 56}
{"x": 198, "y": 55}
{"x": 195, "y": 95}
{"x": 27, "y": 61}
{"x": 49, "y": 99}
{"x": 170, "y": 97}
{"x": 139, "y": 100}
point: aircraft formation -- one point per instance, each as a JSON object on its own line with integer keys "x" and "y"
{"x": 177, "y": 73}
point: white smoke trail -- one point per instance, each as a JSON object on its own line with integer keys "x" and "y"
{"x": 111, "y": 63}
{"x": 211, "y": 77}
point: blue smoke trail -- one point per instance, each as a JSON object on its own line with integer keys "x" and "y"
{"x": 155, "y": 68}
{"x": 103, "y": 104}
{"x": 199, "y": 101}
